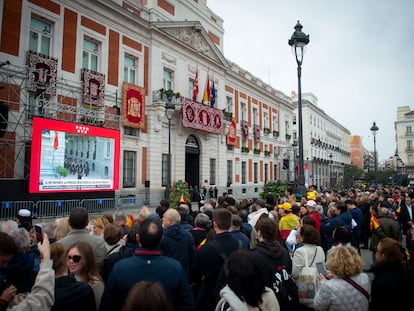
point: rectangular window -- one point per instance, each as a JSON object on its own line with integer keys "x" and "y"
{"x": 229, "y": 104}
{"x": 129, "y": 169}
{"x": 243, "y": 172}
{"x": 275, "y": 172}
{"x": 212, "y": 171}
{"x": 409, "y": 130}
{"x": 255, "y": 116}
{"x": 167, "y": 79}
{"x": 265, "y": 119}
{"x": 164, "y": 170}
{"x": 255, "y": 172}
{"x": 266, "y": 172}
{"x": 131, "y": 131}
{"x": 130, "y": 69}
{"x": 40, "y": 36}
{"x": 191, "y": 88}
{"x": 243, "y": 112}
{"x": 275, "y": 123}
{"x": 229, "y": 172}
{"x": 90, "y": 56}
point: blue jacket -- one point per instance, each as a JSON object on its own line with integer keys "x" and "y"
{"x": 179, "y": 244}
{"x": 147, "y": 265}
{"x": 343, "y": 219}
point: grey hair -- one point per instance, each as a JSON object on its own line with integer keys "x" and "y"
{"x": 384, "y": 211}
{"x": 22, "y": 239}
{"x": 202, "y": 220}
{"x": 9, "y": 226}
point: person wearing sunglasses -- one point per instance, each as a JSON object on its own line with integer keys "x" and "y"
{"x": 81, "y": 262}
{"x": 69, "y": 293}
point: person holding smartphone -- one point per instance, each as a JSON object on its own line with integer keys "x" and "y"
{"x": 345, "y": 286}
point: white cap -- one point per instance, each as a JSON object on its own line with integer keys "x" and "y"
{"x": 24, "y": 213}
{"x": 311, "y": 203}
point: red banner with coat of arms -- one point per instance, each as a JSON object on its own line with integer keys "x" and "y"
{"x": 231, "y": 134}
{"x": 133, "y": 105}
{"x": 202, "y": 117}
{"x": 93, "y": 88}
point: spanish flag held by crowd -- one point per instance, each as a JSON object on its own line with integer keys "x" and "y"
{"x": 130, "y": 221}
{"x": 374, "y": 223}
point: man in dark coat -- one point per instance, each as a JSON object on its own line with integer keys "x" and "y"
{"x": 406, "y": 214}
{"x": 148, "y": 264}
{"x": 177, "y": 243}
{"x": 209, "y": 260}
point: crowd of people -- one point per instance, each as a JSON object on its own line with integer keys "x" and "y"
{"x": 288, "y": 252}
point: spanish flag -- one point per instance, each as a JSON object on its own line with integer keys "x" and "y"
{"x": 182, "y": 198}
{"x": 201, "y": 244}
{"x": 130, "y": 221}
{"x": 207, "y": 91}
{"x": 374, "y": 223}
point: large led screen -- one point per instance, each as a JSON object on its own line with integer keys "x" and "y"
{"x": 71, "y": 157}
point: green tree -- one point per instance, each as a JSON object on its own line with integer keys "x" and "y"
{"x": 273, "y": 187}
{"x": 179, "y": 188}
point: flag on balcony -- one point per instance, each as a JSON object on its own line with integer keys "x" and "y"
{"x": 56, "y": 142}
{"x": 207, "y": 91}
{"x": 195, "y": 90}
{"x": 213, "y": 94}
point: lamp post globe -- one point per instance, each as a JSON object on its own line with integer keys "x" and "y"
{"x": 298, "y": 42}
{"x": 374, "y": 128}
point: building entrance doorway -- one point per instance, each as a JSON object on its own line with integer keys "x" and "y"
{"x": 192, "y": 161}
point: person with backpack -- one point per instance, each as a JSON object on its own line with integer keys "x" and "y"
{"x": 210, "y": 259}
{"x": 276, "y": 265}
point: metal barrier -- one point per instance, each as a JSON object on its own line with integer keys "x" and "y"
{"x": 9, "y": 209}
{"x": 96, "y": 206}
{"x": 55, "y": 208}
{"x": 128, "y": 202}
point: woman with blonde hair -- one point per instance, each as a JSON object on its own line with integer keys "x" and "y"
{"x": 98, "y": 225}
{"x": 62, "y": 227}
{"x": 81, "y": 262}
{"x": 345, "y": 287}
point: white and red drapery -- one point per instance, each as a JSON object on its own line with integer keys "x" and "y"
{"x": 93, "y": 88}
{"x": 133, "y": 104}
{"x": 42, "y": 74}
{"x": 231, "y": 134}
{"x": 202, "y": 117}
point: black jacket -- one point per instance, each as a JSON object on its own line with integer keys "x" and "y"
{"x": 207, "y": 269}
{"x": 389, "y": 287}
{"x": 73, "y": 295}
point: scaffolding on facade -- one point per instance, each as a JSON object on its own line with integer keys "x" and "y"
{"x": 19, "y": 105}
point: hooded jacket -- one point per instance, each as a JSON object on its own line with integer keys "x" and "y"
{"x": 179, "y": 244}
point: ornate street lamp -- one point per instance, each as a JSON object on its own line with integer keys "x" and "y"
{"x": 169, "y": 112}
{"x": 374, "y": 129}
{"x": 298, "y": 42}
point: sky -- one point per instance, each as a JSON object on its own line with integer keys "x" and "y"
{"x": 359, "y": 62}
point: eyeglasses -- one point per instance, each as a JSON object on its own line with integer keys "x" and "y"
{"x": 75, "y": 258}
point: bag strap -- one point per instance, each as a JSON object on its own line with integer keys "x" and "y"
{"x": 358, "y": 287}
{"x": 314, "y": 256}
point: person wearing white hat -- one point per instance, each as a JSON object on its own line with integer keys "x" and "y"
{"x": 24, "y": 219}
